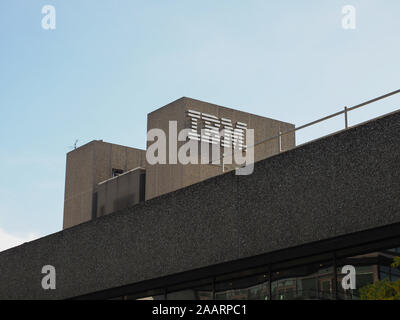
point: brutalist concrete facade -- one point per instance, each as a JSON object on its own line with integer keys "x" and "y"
{"x": 120, "y": 192}
{"x": 164, "y": 178}
{"x": 327, "y": 189}
{"x": 93, "y": 163}
{"x": 87, "y": 166}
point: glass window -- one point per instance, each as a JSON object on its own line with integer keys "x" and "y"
{"x": 198, "y": 290}
{"x": 369, "y": 268}
{"x": 306, "y": 282}
{"x": 304, "y": 278}
{"x": 247, "y": 288}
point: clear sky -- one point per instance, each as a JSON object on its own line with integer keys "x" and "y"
{"x": 108, "y": 63}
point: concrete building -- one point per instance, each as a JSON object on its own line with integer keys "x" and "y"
{"x": 164, "y": 178}
{"x": 89, "y": 165}
{"x": 283, "y": 232}
{"x": 92, "y": 164}
{"x": 120, "y": 192}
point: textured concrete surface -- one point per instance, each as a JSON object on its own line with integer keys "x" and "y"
{"x": 121, "y": 192}
{"x": 89, "y": 165}
{"x": 340, "y": 184}
{"x": 164, "y": 178}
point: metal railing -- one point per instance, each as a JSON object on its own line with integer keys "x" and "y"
{"x": 345, "y": 111}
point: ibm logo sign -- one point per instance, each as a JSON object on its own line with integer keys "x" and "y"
{"x": 217, "y": 131}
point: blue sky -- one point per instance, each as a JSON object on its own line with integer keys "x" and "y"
{"x": 109, "y": 63}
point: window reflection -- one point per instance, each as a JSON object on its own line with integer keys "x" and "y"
{"x": 312, "y": 281}
{"x": 191, "y": 294}
{"x": 370, "y": 267}
{"x": 199, "y": 290}
{"x": 248, "y": 288}
{"x": 307, "y": 278}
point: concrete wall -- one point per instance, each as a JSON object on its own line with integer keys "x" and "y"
{"x": 121, "y": 192}
{"x": 86, "y": 167}
{"x": 164, "y": 178}
{"x": 93, "y": 163}
{"x": 338, "y": 185}
{"x": 79, "y": 184}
